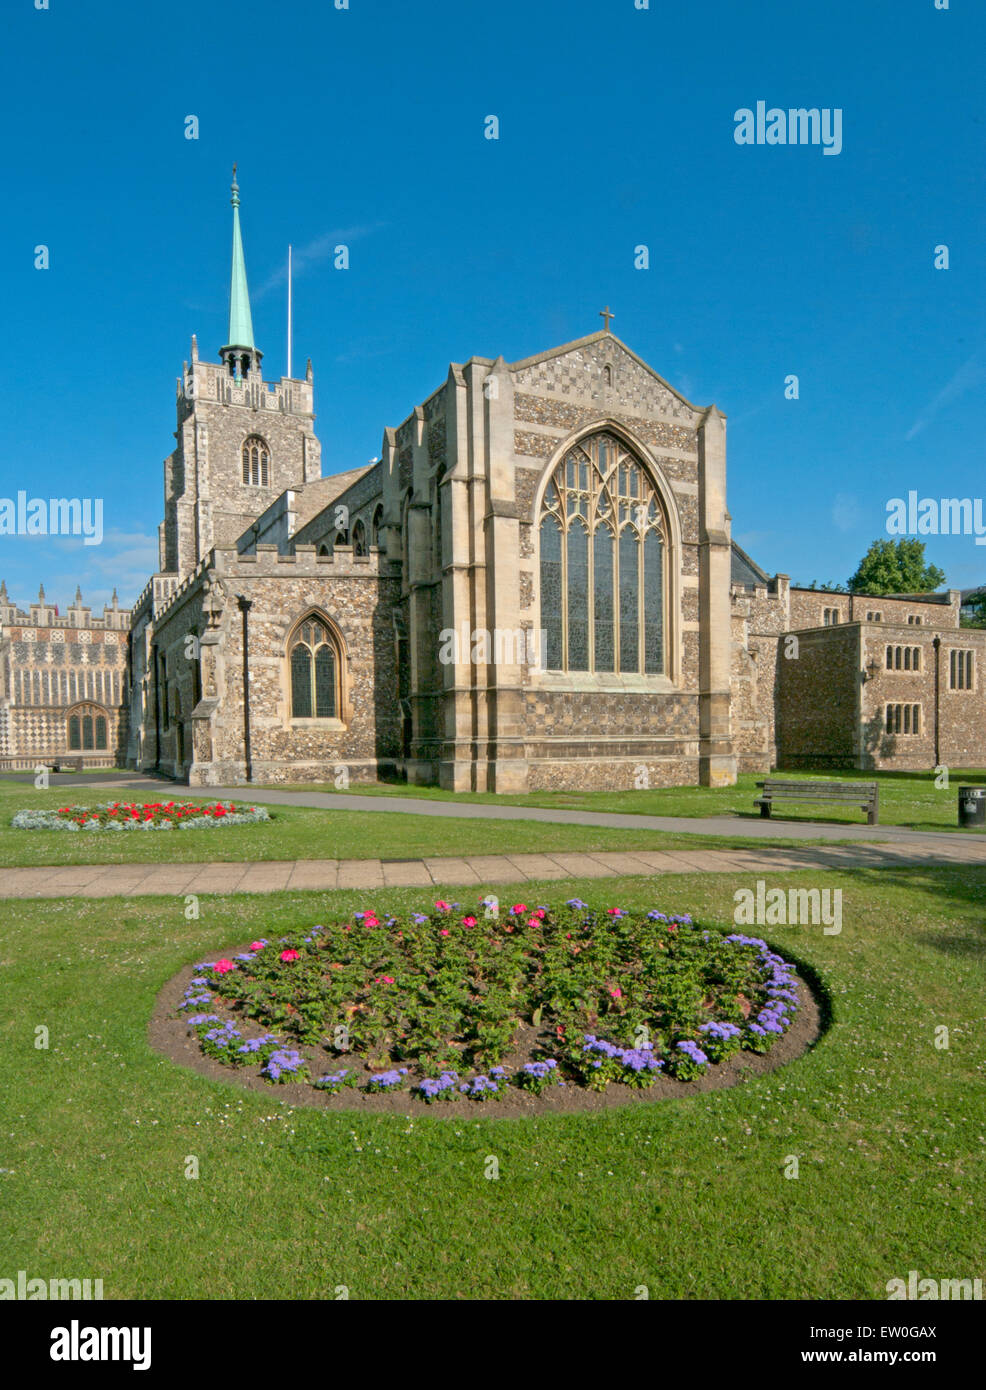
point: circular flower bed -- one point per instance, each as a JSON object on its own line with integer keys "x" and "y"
{"x": 448, "y": 1004}
{"x": 131, "y": 815}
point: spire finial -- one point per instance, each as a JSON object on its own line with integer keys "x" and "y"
{"x": 240, "y": 352}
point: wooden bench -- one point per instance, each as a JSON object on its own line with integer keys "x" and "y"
{"x": 864, "y": 795}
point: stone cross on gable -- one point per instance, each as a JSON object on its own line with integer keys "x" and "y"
{"x": 606, "y": 314}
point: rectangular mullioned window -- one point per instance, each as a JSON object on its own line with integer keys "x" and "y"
{"x": 903, "y": 658}
{"x": 903, "y": 719}
{"x": 961, "y": 672}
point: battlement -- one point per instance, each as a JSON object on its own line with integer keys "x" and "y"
{"x": 211, "y": 382}
{"x": 226, "y": 563}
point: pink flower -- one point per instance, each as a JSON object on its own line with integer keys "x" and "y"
{"x": 616, "y": 992}
{"x": 288, "y": 955}
{"x": 384, "y": 980}
{"x": 614, "y": 912}
{"x": 533, "y": 921}
{"x": 518, "y": 908}
{"x": 221, "y": 966}
{"x": 443, "y": 932}
{"x": 442, "y": 905}
{"x": 256, "y": 945}
{"x": 468, "y": 921}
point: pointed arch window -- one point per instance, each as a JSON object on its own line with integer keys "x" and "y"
{"x": 603, "y": 539}
{"x": 359, "y": 539}
{"x": 314, "y": 671}
{"x": 256, "y": 462}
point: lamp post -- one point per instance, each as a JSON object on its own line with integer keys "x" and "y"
{"x": 244, "y": 604}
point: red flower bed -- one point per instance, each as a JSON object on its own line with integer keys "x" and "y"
{"x": 154, "y": 811}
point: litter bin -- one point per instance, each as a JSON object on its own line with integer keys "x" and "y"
{"x": 972, "y": 806}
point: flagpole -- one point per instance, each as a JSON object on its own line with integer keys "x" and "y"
{"x": 289, "y": 311}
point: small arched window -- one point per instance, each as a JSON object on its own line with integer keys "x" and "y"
{"x": 375, "y": 525}
{"x": 359, "y": 539}
{"x": 603, "y": 536}
{"x": 314, "y": 672}
{"x": 256, "y": 462}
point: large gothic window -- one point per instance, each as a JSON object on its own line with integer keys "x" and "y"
{"x": 256, "y": 462}
{"x": 314, "y": 672}
{"x": 604, "y": 552}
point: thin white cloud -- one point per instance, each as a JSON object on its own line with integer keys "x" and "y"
{"x": 970, "y": 375}
{"x": 304, "y": 257}
{"x": 845, "y": 511}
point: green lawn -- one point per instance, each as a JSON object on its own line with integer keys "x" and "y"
{"x": 906, "y": 798}
{"x": 302, "y": 833}
{"x": 686, "y": 1197}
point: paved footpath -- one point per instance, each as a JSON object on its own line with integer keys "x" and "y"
{"x": 472, "y": 871}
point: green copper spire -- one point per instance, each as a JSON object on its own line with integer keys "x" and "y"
{"x": 240, "y": 352}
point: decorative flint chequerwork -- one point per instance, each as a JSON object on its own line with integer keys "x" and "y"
{"x": 603, "y": 561}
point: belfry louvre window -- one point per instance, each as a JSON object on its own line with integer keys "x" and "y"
{"x": 256, "y": 462}
{"x": 603, "y": 563}
{"x": 960, "y": 670}
{"x": 314, "y": 672}
{"x": 903, "y": 719}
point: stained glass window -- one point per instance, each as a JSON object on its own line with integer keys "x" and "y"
{"x": 313, "y": 673}
{"x": 603, "y": 558}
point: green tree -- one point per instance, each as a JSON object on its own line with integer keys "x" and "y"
{"x": 977, "y": 602}
{"x": 896, "y": 567}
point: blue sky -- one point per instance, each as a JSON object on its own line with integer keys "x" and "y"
{"x": 366, "y": 126}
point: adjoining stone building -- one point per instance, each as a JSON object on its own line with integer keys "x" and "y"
{"x": 63, "y": 684}
{"x": 534, "y": 587}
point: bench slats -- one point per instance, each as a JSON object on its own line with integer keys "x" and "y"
{"x": 865, "y": 795}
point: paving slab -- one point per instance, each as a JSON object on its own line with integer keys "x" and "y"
{"x": 360, "y": 873}
{"x": 581, "y": 866}
{"x": 622, "y": 862}
{"x": 451, "y": 871}
{"x": 494, "y": 868}
{"x": 414, "y": 875}
{"x": 533, "y": 866}
{"x": 266, "y": 877}
{"x": 314, "y": 873}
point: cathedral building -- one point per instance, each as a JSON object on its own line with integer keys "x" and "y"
{"x": 534, "y": 587}
{"x": 63, "y": 684}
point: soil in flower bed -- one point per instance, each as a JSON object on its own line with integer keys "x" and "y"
{"x": 636, "y": 997}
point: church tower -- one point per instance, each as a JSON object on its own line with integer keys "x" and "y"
{"x": 240, "y": 441}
